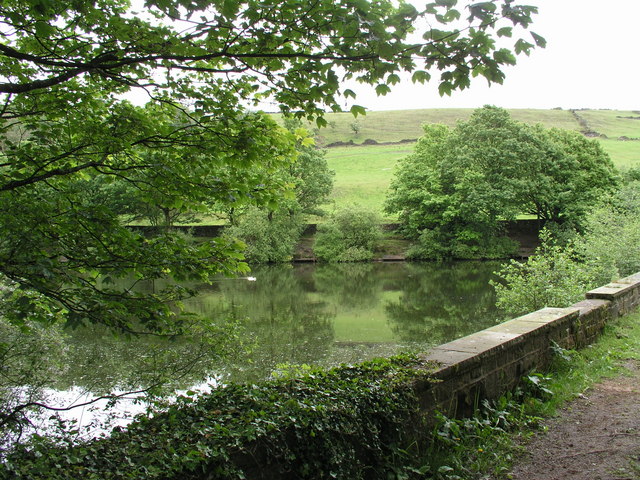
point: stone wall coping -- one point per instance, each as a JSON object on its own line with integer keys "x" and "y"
{"x": 464, "y": 351}
{"x": 545, "y": 315}
{"x": 588, "y": 305}
{"x": 635, "y": 278}
{"x": 614, "y": 289}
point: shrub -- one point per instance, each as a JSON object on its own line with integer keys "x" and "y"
{"x": 436, "y": 245}
{"x": 611, "y": 244}
{"x": 566, "y": 265}
{"x": 554, "y": 277}
{"x": 268, "y": 238}
{"x": 350, "y": 235}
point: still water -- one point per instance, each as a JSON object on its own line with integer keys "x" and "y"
{"x": 329, "y": 314}
{"x": 307, "y": 314}
{"x": 300, "y": 314}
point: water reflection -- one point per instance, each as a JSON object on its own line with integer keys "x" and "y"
{"x": 302, "y": 314}
{"x": 328, "y": 314}
{"x": 441, "y": 303}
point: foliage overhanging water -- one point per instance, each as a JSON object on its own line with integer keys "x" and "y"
{"x": 300, "y": 314}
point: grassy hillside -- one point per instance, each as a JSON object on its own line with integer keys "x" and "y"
{"x": 363, "y": 172}
{"x": 397, "y": 125}
{"x": 625, "y": 154}
{"x": 613, "y": 123}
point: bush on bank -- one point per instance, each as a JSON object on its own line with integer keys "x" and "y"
{"x": 268, "y": 238}
{"x": 350, "y": 235}
{"x": 567, "y": 264}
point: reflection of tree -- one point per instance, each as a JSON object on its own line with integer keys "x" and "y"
{"x": 29, "y": 358}
{"x": 46, "y": 371}
{"x": 441, "y": 302}
{"x": 351, "y": 285}
{"x": 100, "y": 362}
{"x": 284, "y": 322}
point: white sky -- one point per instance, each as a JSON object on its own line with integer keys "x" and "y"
{"x": 592, "y": 60}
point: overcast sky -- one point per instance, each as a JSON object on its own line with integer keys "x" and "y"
{"x": 592, "y": 60}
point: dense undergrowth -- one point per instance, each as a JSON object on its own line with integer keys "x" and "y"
{"x": 350, "y": 422}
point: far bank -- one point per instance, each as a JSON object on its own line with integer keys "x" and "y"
{"x": 393, "y": 246}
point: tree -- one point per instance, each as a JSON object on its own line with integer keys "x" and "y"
{"x": 309, "y": 176}
{"x": 58, "y": 240}
{"x": 65, "y": 66}
{"x": 312, "y": 180}
{"x": 133, "y": 203}
{"x": 268, "y": 237}
{"x": 573, "y": 176}
{"x": 270, "y": 234}
{"x": 457, "y": 188}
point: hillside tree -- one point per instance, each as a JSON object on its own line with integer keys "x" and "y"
{"x": 460, "y": 185}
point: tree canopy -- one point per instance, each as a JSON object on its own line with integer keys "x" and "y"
{"x": 459, "y": 185}
{"x": 65, "y": 67}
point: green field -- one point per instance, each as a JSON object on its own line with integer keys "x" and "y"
{"x": 363, "y": 173}
{"x": 625, "y": 154}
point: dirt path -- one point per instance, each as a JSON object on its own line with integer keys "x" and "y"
{"x": 597, "y": 437}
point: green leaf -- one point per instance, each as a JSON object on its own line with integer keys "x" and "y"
{"x": 450, "y": 16}
{"x": 505, "y": 32}
{"x": 436, "y": 35}
{"x": 392, "y": 79}
{"x": 308, "y": 142}
{"x": 358, "y": 110}
{"x": 540, "y": 41}
{"x": 321, "y": 122}
{"x": 420, "y": 76}
{"x": 230, "y": 8}
{"x": 43, "y": 29}
{"x": 522, "y": 46}
{"x": 387, "y": 51}
{"x": 446, "y": 3}
{"x": 445, "y": 88}
{"x": 382, "y": 89}
{"x": 504, "y": 56}
{"x": 349, "y": 93}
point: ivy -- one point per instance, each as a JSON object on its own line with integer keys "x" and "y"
{"x": 350, "y": 422}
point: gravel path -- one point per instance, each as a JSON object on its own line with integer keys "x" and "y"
{"x": 596, "y": 437}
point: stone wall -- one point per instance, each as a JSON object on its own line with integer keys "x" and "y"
{"x": 488, "y": 363}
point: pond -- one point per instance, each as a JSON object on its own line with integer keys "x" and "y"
{"x": 286, "y": 314}
{"x": 329, "y": 314}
